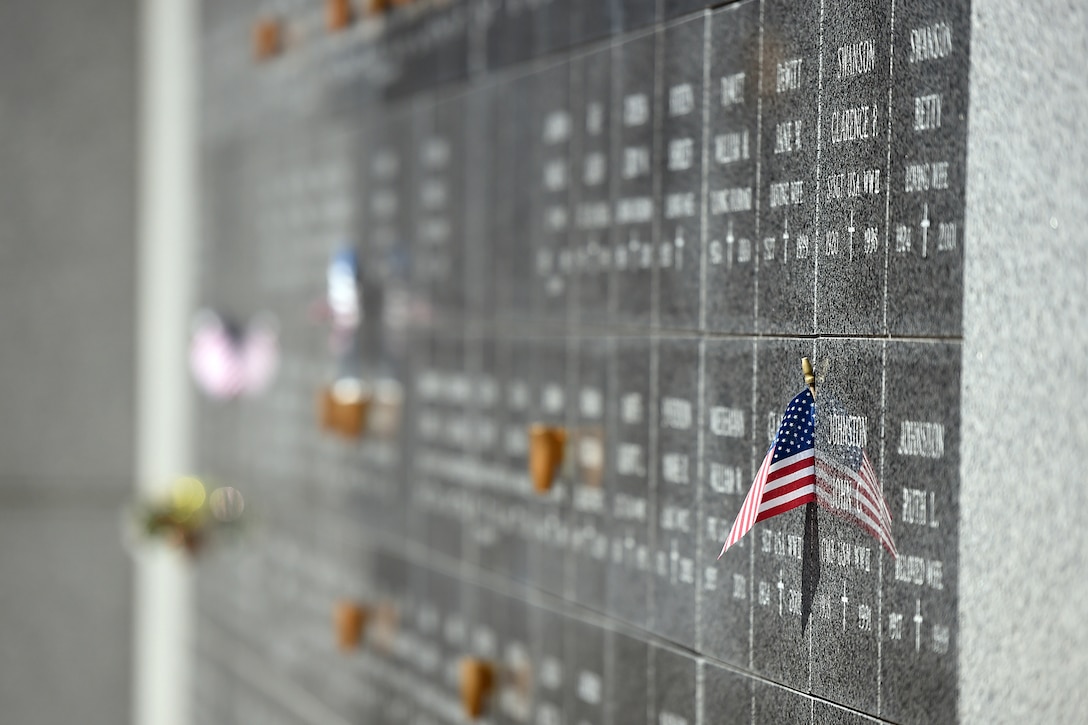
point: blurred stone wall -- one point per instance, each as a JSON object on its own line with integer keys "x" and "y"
{"x": 67, "y": 265}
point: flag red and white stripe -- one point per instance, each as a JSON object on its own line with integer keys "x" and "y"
{"x": 855, "y": 495}
{"x": 779, "y": 486}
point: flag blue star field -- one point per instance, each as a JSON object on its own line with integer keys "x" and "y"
{"x": 813, "y": 459}
{"x": 787, "y": 477}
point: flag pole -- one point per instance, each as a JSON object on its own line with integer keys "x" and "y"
{"x": 810, "y": 377}
{"x": 810, "y": 556}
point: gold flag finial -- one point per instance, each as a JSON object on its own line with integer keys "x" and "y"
{"x": 810, "y": 377}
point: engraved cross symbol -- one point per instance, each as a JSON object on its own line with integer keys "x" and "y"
{"x": 729, "y": 240}
{"x": 786, "y": 241}
{"x": 781, "y": 587}
{"x": 925, "y": 229}
{"x": 851, "y": 231}
{"x": 917, "y": 625}
{"x": 844, "y": 601}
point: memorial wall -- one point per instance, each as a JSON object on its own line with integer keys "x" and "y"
{"x": 621, "y": 224}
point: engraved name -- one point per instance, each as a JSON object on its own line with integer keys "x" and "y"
{"x": 731, "y": 147}
{"x": 631, "y": 408}
{"x": 681, "y": 154}
{"x": 680, "y": 205}
{"x": 920, "y": 507}
{"x": 555, "y": 175}
{"x": 595, "y": 118}
{"x": 733, "y": 90}
{"x": 927, "y": 112}
{"x": 676, "y": 413}
{"x": 856, "y": 59}
{"x": 681, "y": 100}
{"x": 787, "y": 137}
{"x": 727, "y": 422}
{"x": 854, "y": 124}
{"x": 630, "y": 508}
{"x": 636, "y": 109}
{"x": 789, "y": 76}
{"x": 591, "y": 403}
{"x": 636, "y": 162}
{"x": 594, "y": 168}
{"x": 675, "y": 468}
{"x": 931, "y": 42}
{"x": 918, "y": 438}
{"x": 725, "y": 479}
{"x": 589, "y": 687}
{"x": 630, "y": 460}
{"x": 676, "y": 518}
{"x": 593, "y": 215}
{"x": 847, "y": 430}
{"x": 556, "y": 127}
{"x": 634, "y": 211}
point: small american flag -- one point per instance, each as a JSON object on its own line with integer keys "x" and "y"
{"x": 787, "y": 477}
{"x": 806, "y": 463}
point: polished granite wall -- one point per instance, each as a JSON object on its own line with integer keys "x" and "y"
{"x": 632, "y": 221}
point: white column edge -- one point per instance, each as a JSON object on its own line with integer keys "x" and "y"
{"x": 168, "y": 72}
